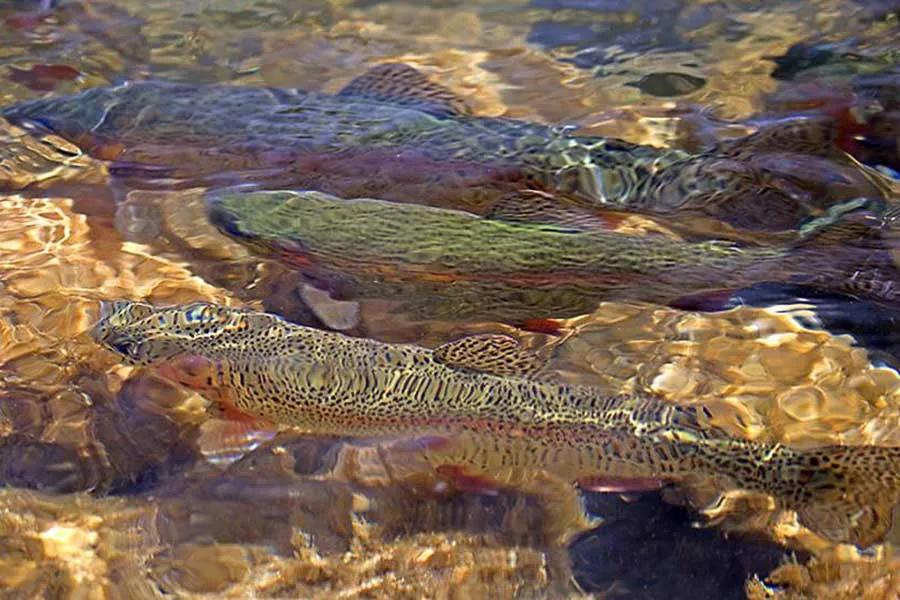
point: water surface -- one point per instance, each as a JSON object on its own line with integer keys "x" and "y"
{"x": 118, "y": 483}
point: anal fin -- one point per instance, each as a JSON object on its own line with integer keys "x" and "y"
{"x": 467, "y": 483}
{"x": 339, "y": 315}
{"x": 546, "y": 326}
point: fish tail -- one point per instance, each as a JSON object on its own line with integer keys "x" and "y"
{"x": 849, "y": 493}
{"x": 849, "y": 250}
{"x": 846, "y": 494}
{"x": 839, "y": 222}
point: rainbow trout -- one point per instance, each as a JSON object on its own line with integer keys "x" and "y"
{"x": 499, "y": 412}
{"x": 393, "y": 134}
{"x": 448, "y": 264}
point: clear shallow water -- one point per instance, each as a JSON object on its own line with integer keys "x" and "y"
{"x": 119, "y": 483}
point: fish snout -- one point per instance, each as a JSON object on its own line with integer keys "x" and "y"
{"x": 136, "y": 350}
{"x": 223, "y": 218}
{"x": 122, "y": 328}
{"x": 128, "y": 348}
{"x": 103, "y": 328}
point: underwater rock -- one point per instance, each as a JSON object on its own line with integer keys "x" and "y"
{"x": 45, "y": 466}
{"x": 651, "y": 549}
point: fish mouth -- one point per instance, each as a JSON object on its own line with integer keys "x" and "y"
{"x": 111, "y": 333}
{"x": 101, "y": 330}
{"x": 124, "y": 347}
{"x": 33, "y": 114}
{"x": 127, "y": 349}
{"x": 40, "y": 125}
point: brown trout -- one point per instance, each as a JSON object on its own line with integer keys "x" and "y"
{"x": 393, "y": 134}
{"x": 447, "y": 264}
{"x": 498, "y": 412}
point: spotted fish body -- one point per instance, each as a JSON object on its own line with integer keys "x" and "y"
{"x": 393, "y": 134}
{"x": 467, "y": 266}
{"x": 492, "y": 398}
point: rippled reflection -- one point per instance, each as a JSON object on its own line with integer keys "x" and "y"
{"x": 117, "y": 479}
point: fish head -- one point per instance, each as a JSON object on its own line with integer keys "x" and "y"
{"x": 146, "y": 335}
{"x": 276, "y": 222}
{"x": 251, "y": 217}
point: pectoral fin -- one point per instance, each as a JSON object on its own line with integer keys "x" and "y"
{"x": 462, "y": 481}
{"x": 339, "y": 315}
{"x": 402, "y": 85}
{"x": 490, "y": 353}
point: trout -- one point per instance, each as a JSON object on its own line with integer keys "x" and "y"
{"x": 447, "y": 264}
{"x": 499, "y": 411}
{"x": 393, "y": 134}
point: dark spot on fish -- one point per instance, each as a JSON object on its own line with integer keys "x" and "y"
{"x": 668, "y": 84}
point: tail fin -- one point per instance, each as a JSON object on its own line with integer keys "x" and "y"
{"x": 767, "y": 192}
{"x": 851, "y": 250}
{"x": 851, "y": 219}
{"x": 853, "y": 493}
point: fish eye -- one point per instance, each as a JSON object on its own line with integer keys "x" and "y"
{"x": 127, "y": 348}
{"x": 123, "y": 347}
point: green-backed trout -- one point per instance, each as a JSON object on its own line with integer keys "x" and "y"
{"x": 447, "y": 264}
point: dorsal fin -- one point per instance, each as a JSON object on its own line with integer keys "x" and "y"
{"x": 490, "y": 353}
{"x": 536, "y": 207}
{"x": 400, "y": 84}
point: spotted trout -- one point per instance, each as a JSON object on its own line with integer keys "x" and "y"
{"x": 447, "y": 264}
{"x": 496, "y": 411}
{"x": 393, "y": 134}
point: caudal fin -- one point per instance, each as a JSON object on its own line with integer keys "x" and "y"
{"x": 850, "y": 249}
{"x": 852, "y": 494}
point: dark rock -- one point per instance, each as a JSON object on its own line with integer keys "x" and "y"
{"x": 650, "y": 549}
{"x": 45, "y": 466}
{"x": 141, "y": 445}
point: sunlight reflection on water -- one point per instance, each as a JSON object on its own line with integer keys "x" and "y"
{"x": 119, "y": 481}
